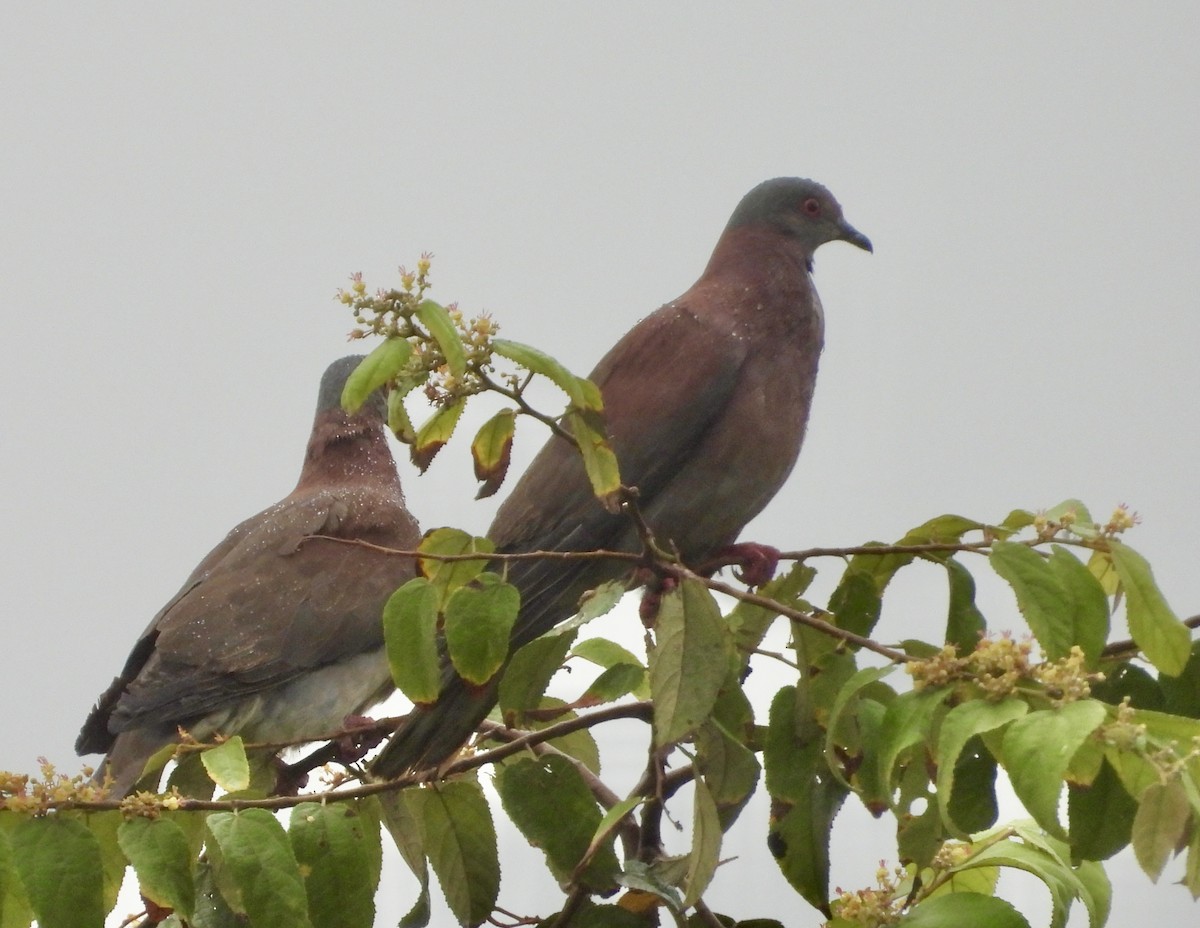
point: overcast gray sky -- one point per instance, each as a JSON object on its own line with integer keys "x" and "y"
{"x": 184, "y": 187}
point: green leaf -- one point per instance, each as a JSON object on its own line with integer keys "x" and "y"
{"x": 1017, "y": 520}
{"x": 1124, "y": 679}
{"x": 435, "y": 432}
{"x": 104, "y": 827}
{"x": 750, "y": 622}
{"x": 460, "y": 841}
{"x": 918, "y": 836}
{"x": 786, "y": 779}
{"x": 492, "y": 451}
{"x": 1162, "y": 817}
{"x": 651, "y": 880}
{"x": 583, "y": 393}
{"x": 804, "y": 800}
{"x": 856, "y": 602}
{"x": 435, "y": 318}
{"x": 617, "y": 681}
{"x": 14, "y": 907}
{"x": 478, "y": 620}
{"x": 599, "y": 461}
{"x": 590, "y": 915}
{"x": 846, "y": 697}
{"x": 410, "y": 619}
{"x": 388, "y": 359}
{"x": 730, "y": 769}
{"x": 959, "y": 909}
{"x": 162, "y": 859}
{"x": 964, "y": 622}
{"x": 529, "y": 673}
{"x": 706, "y": 844}
{"x": 211, "y": 910}
{"x": 1101, "y": 816}
{"x": 256, "y": 869}
{"x": 604, "y": 653}
{"x": 1080, "y": 518}
{"x": 227, "y": 765}
{"x": 550, "y": 803}
{"x": 1100, "y": 565}
{"x": 60, "y": 867}
{"x": 404, "y": 825}
{"x": 192, "y": 780}
{"x": 398, "y": 419}
{"x": 799, "y": 840}
{"x": 1098, "y": 892}
{"x": 973, "y": 806}
{"x": 448, "y": 576}
{"x": 332, "y": 846}
{"x": 908, "y": 721}
{"x": 1044, "y": 858}
{"x": 690, "y": 661}
{"x": 1164, "y": 640}
{"x": 1037, "y": 750}
{"x": 600, "y": 601}
{"x": 1088, "y": 604}
{"x": 1191, "y": 876}
{"x": 580, "y": 745}
{"x": 945, "y": 529}
{"x": 961, "y": 724}
{"x": 1040, "y": 595}
{"x": 1181, "y": 694}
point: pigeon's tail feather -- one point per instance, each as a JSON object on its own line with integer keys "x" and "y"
{"x": 432, "y": 734}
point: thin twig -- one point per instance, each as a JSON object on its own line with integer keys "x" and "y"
{"x": 518, "y": 397}
{"x": 707, "y": 915}
{"x": 797, "y": 615}
{"x": 570, "y": 907}
{"x": 634, "y": 710}
{"x": 599, "y": 554}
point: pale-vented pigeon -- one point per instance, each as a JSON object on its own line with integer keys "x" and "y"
{"x": 274, "y": 637}
{"x": 706, "y": 402}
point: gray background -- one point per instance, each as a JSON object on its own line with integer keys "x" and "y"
{"x": 183, "y": 189}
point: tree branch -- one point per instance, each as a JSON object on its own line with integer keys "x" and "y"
{"x": 634, "y": 710}
{"x": 796, "y": 615}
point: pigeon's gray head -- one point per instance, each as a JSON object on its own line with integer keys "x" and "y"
{"x": 800, "y": 209}
{"x": 334, "y": 381}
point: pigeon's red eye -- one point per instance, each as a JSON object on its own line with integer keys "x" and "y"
{"x": 811, "y": 207}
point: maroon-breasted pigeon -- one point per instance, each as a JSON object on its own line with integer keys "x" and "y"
{"x": 274, "y": 637}
{"x": 706, "y": 402}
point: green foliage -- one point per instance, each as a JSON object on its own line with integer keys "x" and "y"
{"x": 228, "y": 765}
{"x": 1117, "y": 723}
{"x": 690, "y": 663}
{"x": 846, "y": 729}
{"x": 549, "y": 801}
{"x": 160, "y": 855}
{"x": 59, "y": 863}
{"x": 337, "y": 848}
{"x": 255, "y": 868}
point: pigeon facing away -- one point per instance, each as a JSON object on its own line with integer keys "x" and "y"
{"x": 706, "y": 403}
{"x": 274, "y": 637}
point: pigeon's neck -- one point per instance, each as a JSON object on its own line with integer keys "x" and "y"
{"x": 346, "y": 449}
{"x": 759, "y": 253}
{"x": 761, "y": 281}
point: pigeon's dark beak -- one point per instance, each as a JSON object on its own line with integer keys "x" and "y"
{"x": 854, "y": 237}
